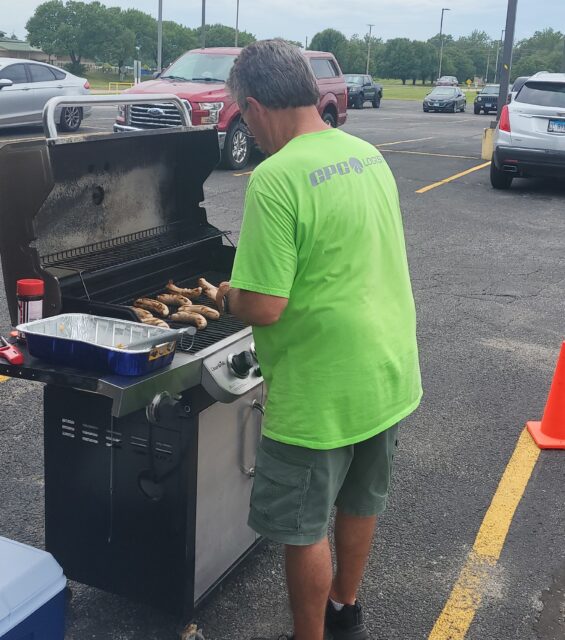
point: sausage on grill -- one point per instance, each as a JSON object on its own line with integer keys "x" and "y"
{"x": 156, "y": 322}
{"x": 207, "y": 312}
{"x": 188, "y": 317}
{"x": 173, "y": 299}
{"x": 210, "y": 291}
{"x": 189, "y": 293}
{"x": 142, "y": 314}
{"x": 152, "y": 305}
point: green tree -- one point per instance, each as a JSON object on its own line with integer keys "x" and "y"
{"x": 334, "y": 42}
{"x": 176, "y": 41}
{"x": 544, "y": 51}
{"x": 144, "y": 28}
{"x": 425, "y": 61}
{"x": 399, "y": 59}
{"x": 220, "y": 35}
{"x": 76, "y": 29}
{"x": 119, "y": 48}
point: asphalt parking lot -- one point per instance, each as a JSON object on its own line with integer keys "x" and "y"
{"x": 488, "y": 273}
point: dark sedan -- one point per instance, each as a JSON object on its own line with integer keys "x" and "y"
{"x": 450, "y": 99}
{"x": 487, "y": 99}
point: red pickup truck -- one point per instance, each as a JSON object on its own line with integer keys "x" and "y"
{"x": 199, "y": 77}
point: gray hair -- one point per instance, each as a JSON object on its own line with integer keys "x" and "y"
{"x": 275, "y": 73}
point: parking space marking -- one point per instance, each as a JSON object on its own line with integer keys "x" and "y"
{"x": 389, "y": 144}
{"x": 10, "y": 140}
{"x": 245, "y": 173}
{"x": 467, "y": 594}
{"x": 425, "y": 153}
{"x": 3, "y": 379}
{"x": 452, "y": 178}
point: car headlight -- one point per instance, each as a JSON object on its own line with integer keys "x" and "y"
{"x": 213, "y": 109}
{"x": 479, "y": 99}
{"x": 353, "y": 89}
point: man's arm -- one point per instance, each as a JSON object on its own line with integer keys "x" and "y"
{"x": 256, "y": 309}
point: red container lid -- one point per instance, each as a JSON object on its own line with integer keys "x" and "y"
{"x": 30, "y": 287}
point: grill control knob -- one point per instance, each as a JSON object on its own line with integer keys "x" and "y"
{"x": 253, "y": 351}
{"x": 241, "y": 364}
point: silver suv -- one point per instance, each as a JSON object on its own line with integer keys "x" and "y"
{"x": 530, "y": 137}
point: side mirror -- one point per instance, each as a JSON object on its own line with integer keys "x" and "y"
{"x": 156, "y": 75}
{"x": 4, "y": 82}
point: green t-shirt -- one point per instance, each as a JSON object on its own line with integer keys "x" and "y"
{"x": 322, "y": 227}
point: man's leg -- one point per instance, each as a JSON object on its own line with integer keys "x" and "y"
{"x": 353, "y": 539}
{"x": 309, "y": 578}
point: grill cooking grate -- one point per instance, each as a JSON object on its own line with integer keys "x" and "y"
{"x": 216, "y": 330}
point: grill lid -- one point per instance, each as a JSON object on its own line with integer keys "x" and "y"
{"x": 88, "y": 194}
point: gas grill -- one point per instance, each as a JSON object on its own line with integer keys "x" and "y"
{"x": 147, "y": 480}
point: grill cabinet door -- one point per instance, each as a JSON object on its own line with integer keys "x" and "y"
{"x": 227, "y": 440}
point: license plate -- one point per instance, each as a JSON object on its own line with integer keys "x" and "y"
{"x": 488, "y": 105}
{"x": 436, "y": 104}
{"x": 556, "y": 126}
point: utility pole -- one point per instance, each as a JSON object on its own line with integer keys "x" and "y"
{"x": 203, "y": 34}
{"x": 369, "y": 47}
{"x": 563, "y": 61}
{"x": 488, "y": 65}
{"x": 160, "y": 37}
{"x": 497, "y": 54}
{"x": 237, "y": 24}
{"x": 306, "y": 47}
{"x": 506, "y": 64}
{"x": 441, "y": 41}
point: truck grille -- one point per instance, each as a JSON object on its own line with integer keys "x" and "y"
{"x": 156, "y": 115}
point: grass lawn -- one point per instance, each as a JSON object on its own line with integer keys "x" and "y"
{"x": 99, "y": 80}
{"x": 395, "y": 90}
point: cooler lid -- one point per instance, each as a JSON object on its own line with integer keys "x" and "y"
{"x": 29, "y": 578}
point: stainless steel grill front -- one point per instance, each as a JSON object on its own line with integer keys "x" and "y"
{"x": 156, "y": 115}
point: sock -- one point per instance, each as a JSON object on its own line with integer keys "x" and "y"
{"x": 338, "y": 606}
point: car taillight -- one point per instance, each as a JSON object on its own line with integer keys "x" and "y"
{"x": 87, "y": 85}
{"x": 504, "y": 124}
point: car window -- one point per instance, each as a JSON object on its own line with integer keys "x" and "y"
{"x": 354, "y": 79}
{"x": 15, "y": 72}
{"x": 59, "y": 74}
{"x": 491, "y": 91}
{"x": 544, "y": 94}
{"x": 41, "y": 74}
{"x": 201, "y": 67}
{"x": 443, "y": 91}
{"x": 323, "y": 68}
{"x": 368, "y": 80}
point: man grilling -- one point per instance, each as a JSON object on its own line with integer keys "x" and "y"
{"x": 321, "y": 273}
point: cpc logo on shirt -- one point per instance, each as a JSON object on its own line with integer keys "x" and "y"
{"x": 340, "y": 169}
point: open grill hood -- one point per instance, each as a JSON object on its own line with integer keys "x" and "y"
{"x": 74, "y": 207}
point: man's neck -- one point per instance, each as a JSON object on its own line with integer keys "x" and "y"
{"x": 291, "y": 123}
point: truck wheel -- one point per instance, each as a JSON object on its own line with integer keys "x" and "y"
{"x": 237, "y": 148}
{"x": 359, "y": 100}
{"x": 71, "y": 117}
{"x": 328, "y": 118}
{"x": 377, "y": 101}
{"x": 499, "y": 179}
{"x": 477, "y": 110}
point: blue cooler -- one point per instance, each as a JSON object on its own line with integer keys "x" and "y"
{"x": 32, "y": 594}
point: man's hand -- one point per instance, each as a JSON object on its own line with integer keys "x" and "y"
{"x": 222, "y": 291}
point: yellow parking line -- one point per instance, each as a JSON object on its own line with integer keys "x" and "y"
{"x": 451, "y": 178}
{"x": 3, "y": 378}
{"x": 467, "y": 594}
{"x": 425, "y": 153}
{"x": 245, "y": 173}
{"x": 389, "y": 144}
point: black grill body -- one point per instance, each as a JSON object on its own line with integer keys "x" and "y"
{"x": 147, "y": 480}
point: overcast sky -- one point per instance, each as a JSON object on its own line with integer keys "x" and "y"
{"x": 298, "y": 19}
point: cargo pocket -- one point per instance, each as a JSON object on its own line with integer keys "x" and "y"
{"x": 279, "y": 491}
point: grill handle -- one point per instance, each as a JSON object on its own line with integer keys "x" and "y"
{"x": 250, "y": 470}
{"x": 50, "y": 126}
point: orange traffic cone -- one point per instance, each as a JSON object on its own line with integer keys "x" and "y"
{"x": 550, "y": 432}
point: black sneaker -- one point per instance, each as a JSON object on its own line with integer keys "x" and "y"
{"x": 346, "y": 624}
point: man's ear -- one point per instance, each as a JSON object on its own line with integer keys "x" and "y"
{"x": 254, "y": 105}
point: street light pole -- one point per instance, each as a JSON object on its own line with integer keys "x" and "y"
{"x": 506, "y": 63}
{"x": 441, "y": 41}
{"x": 488, "y": 65}
{"x": 237, "y": 24}
{"x": 203, "y": 34}
{"x": 160, "y": 37}
{"x": 369, "y": 47}
{"x": 497, "y": 54}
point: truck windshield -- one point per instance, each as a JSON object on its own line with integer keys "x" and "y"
{"x": 354, "y": 79}
{"x": 201, "y": 67}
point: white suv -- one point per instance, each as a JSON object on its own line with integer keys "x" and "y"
{"x": 530, "y": 137}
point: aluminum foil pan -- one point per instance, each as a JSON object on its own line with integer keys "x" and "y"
{"x": 103, "y": 344}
